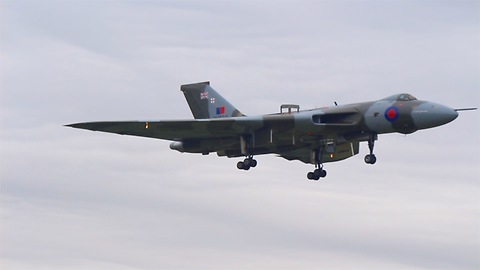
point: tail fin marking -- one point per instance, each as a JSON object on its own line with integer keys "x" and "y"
{"x": 205, "y": 102}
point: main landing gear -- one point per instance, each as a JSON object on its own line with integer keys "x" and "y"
{"x": 319, "y": 172}
{"x": 245, "y": 146}
{"x": 248, "y": 163}
{"x": 370, "y": 158}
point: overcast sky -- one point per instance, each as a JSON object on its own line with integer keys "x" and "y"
{"x": 75, "y": 199}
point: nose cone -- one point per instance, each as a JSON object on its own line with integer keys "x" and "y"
{"x": 430, "y": 115}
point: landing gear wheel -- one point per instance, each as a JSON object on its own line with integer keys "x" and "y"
{"x": 311, "y": 176}
{"x": 240, "y": 165}
{"x": 320, "y": 173}
{"x": 243, "y": 165}
{"x": 247, "y": 163}
{"x": 370, "y": 159}
{"x": 317, "y": 174}
{"x": 250, "y": 162}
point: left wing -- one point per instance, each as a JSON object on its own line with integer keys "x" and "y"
{"x": 282, "y": 134}
{"x": 174, "y": 129}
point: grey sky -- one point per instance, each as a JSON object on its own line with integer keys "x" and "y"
{"x": 72, "y": 199}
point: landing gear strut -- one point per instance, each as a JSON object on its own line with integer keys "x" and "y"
{"x": 248, "y": 163}
{"x": 245, "y": 145}
{"x": 319, "y": 172}
{"x": 370, "y": 158}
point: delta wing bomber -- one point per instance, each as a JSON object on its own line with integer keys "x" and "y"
{"x": 314, "y": 136}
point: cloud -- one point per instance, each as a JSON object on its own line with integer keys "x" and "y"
{"x": 79, "y": 199}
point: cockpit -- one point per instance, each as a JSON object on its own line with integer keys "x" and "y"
{"x": 400, "y": 97}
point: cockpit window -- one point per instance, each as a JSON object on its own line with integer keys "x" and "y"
{"x": 405, "y": 97}
{"x": 401, "y": 97}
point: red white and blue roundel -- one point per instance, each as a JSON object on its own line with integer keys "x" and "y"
{"x": 391, "y": 114}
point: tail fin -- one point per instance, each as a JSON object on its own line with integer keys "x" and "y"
{"x": 205, "y": 102}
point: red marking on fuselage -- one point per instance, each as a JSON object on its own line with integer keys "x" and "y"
{"x": 391, "y": 113}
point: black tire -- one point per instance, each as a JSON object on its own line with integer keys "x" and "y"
{"x": 240, "y": 165}
{"x": 370, "y": 159}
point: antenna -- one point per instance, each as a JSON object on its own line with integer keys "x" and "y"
{"x": 465, "y": 109}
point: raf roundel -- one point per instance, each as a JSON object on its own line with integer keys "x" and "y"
{"x": 391, "y": 114}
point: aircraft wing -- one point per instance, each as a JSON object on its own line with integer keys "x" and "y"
{"x": 172, "y": 129}
{"x": 279, "y": 133}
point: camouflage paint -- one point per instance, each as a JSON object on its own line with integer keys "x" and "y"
{"x": 336, "y": 131}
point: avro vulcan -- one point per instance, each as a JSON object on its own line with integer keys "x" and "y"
{"x": 315, "y": 136}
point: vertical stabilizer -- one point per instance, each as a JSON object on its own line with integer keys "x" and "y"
{"x": 205, "y": 102}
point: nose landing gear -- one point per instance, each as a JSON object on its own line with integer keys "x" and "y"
{"x": 371, "y": 158}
